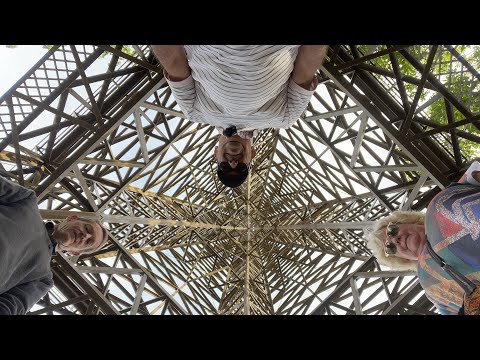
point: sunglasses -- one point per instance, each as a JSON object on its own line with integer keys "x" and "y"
{"x": 392, "y": 231}
{"x": 240, "y": 168}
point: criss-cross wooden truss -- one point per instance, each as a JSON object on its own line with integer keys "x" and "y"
{"x": 95, "y": 130}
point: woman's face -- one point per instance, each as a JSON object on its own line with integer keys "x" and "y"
{"x": 409, "y": 239}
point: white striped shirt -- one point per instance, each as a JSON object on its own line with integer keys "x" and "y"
{"x": 247, "y": 86}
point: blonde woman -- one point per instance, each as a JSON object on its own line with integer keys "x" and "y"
{"x": 451, "y": 225}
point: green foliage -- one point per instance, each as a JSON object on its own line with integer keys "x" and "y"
{"x": 48, "y": 47}
{"x": 127, "y": 49}
{"x": 462, "y": 85}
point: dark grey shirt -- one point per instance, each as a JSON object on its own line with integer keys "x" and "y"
{"x": 25, "y": 250}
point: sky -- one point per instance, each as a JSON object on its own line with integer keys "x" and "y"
{"x": 14, "y": 63}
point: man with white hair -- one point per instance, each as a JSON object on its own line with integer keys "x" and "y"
{"x": 27, "y": 246}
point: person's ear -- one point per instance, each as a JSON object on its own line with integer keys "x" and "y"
{"x": 215, "y": 152}
{"x": 72, "y": 217}
{"x": 254, "y": 152}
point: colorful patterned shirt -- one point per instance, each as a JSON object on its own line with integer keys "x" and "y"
{"x": 452, "y": 225}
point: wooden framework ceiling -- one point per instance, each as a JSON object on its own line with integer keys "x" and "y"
{"x": 95, "y": 130}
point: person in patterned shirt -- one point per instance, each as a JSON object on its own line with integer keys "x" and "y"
{"x": 451, "y": 225}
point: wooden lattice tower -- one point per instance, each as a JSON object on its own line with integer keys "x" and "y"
{"x": 95, "y": 130}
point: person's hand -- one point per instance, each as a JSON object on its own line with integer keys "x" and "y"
{"x": 309, "y": 59}
{"x": 476, "y": 175}
{"x": 173, "y": 60}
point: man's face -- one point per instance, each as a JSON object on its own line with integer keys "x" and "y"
{"x": 77, "y": 236}
{"x": 234, "y": 150}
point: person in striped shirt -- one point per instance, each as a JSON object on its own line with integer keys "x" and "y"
{"x": 240, "y": 89}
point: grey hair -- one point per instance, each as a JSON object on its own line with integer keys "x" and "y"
{"x": 375, "y": 236}
{"x": 104, "y": 232}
